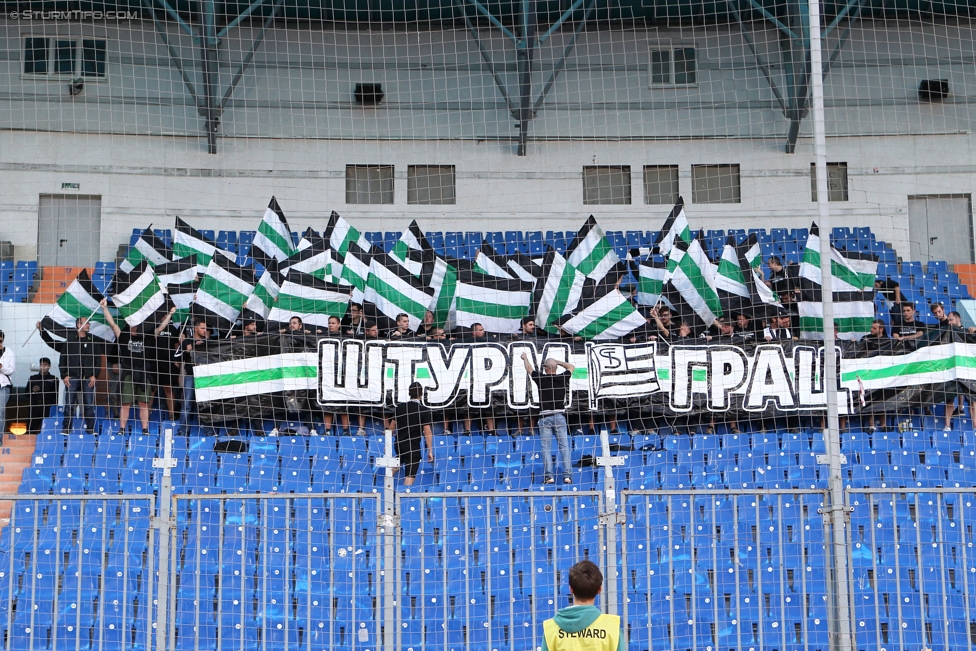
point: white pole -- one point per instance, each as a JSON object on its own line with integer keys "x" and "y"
{"x": 841, "y": 638}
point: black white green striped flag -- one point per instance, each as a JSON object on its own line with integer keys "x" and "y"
{"x": 558, "y": 291}
{"x": 442, "y": 277}
{"x": 309, "y": 238}
{"x": 260, "y": 302}
{"x": 177, "y": 272}
{"x": 189, "y": 242}
{"x": 690, "y": 285}
{"x": 139, "y": 297}
{"x": 224, "y": 289}
{"x": 391, "y": 289}
{"x": 605, "y": 316}
{"x": 499, "y": 304}
{"x": 273, "y": 240}
{"x": 80, "y": 300}
{"x": 853, "y": 290}
{"x": 319, "y": 261}
{"x": 730, "y": 278}
{"x": 490, "y": 263}
{"x": 355, "y": 270}
{"x": 338, "y": 234}
{"x": 650, "y": 282}
{"x": 590, "y": 251}
{"x": 675, "y": 227}
{"x": 308, "y": 297}
{"x": 182, "y": 295}
{"x": 413, "y": 249}
{"x": 524, "y": 267}
{"x": 149, "y": 248}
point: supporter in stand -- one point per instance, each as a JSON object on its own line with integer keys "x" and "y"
{"x": 890, "y": 290}
{"x": 402, "y": 330}
{"x": 908, "y": 329}
{"x": 200, "y": 335}
{"x": 296, "y": 327}
{"x": 354, "y": 322}
{"x": 553, "y": 391}
{"x": 779, "y": 329}
{"x": 137, "y": 355}
{"x": 938, "y": 311}
{"x": 743, "y": 328}
{"x": 43, "y": 390}
{"x": 427, "y": 325}
{"x": 720, "y": 332}
{"x": 955, "y": 323}
{"x": 878, "y": 330}
{"x": 8, "y": 365}
{"x": 334, "y": 330}
{"x": 81, "y": 359}
{"x": 412, "y": 422}
{"x": 370, "y": 330}
{"x": 954, "y": 320}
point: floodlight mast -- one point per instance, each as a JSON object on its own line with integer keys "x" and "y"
{"x": 841, "y": 638}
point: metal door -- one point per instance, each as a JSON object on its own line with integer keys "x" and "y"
{"x": 941, "y": 228}
{"x": 68, "y": 230}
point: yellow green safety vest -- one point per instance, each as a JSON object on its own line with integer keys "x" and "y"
{"x": 601, "y": 635}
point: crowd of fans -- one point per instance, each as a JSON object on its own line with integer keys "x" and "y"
{"x": 145, "y": 365}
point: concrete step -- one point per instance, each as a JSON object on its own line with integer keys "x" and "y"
{"x": 15, "y": 455}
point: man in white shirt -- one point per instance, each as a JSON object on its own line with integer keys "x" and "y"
{"x": 8, "y": 365}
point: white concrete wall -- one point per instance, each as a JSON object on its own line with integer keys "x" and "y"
{"x": 292, "y": 128}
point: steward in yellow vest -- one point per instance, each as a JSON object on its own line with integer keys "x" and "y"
{"x": 582, "y": 627}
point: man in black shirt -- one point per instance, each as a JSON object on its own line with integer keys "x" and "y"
{"x": 43, "y": 390}
{"x": 137, "y": 356}
{"x": 411, "y": 422}
{"x": 402, "y": 329}
{"x": 553, "y": 392}
{"x": 938, "y": 311}
{"x": 81, "y": 359}
{"x": 908, "y": 329}
{"x": 185, "y": 355}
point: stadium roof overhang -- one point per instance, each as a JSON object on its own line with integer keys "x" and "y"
{"x": 528, "y": 24}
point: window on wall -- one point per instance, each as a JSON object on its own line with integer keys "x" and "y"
{"x": 715, "y": 184}
{"x": 45, "y": 56}
{"x": 836, "y": 181}
{"x": 660, "y": 184}
{"x": 431, "y": 185}
{"x": 673, "y": 66}
{"x": 606, "y": 185}
{"x": 369, "y": 184}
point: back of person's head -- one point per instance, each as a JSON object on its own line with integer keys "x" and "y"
{"x": 416, "y": 391}
{"x": 585, "y": 580}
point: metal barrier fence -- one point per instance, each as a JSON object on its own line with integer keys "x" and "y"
{"x": 710, "y": 570}
{"x": 78, "y": 572}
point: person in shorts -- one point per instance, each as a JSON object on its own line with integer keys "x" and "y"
{"x": 411, "y": 423}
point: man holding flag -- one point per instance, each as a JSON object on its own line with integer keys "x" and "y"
{"x": 81, "y": 359}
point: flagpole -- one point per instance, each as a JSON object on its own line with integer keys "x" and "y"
{"x": 841, "y": 629}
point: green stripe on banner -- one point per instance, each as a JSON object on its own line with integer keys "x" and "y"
{"x": 592, "y": 261}
{"x": 290, "y": 303}
{"x": 663, "y": 373}
{"x": 579, "y": 373}
{"x": 844, "y": 324}
{"x": 262, "y": 294}
{"x": 275, "y": 237}
{"x": 222, "y": 292}
{"x": 491, "y": 309}
{"x": 250, "y": 377}
{"x": 390, "y": 293}
{"x": 147, "y": 294}
{"x": 699, "y": 374}
{"x": 181, "y": 250}
{"x": 730, "y": 271}
{"x": 912, "y": 368}
{"x": 851, "y": 277}
{"x": 604, "y": 321}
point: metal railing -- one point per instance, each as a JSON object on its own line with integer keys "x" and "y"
{"x": 716, "y": 569}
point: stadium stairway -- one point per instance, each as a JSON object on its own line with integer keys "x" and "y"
{"x": 15, "y": 456}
